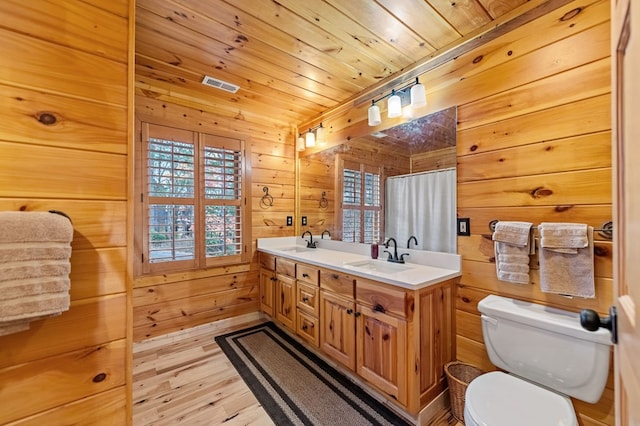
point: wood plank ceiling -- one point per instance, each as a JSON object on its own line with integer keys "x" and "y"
{"x": 293, "y": 59}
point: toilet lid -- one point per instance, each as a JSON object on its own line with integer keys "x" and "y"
{"x": 499, "y": 399}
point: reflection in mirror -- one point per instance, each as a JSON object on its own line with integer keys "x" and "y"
{"x": 416, "y": 147}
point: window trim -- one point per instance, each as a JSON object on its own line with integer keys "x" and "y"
{"x": 141, "y": 244}
{"x": 340, "y": 161}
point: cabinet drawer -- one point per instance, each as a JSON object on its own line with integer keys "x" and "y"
{"x": 286, "y": 267}
{"x": 307, "y": 274}
{"x": 337, "y": 282}
{"x": 382, "y": 297}
{"x": 308, "y": 328}
{"x": 268, "y": 261}
{"x": 308, "y": 298}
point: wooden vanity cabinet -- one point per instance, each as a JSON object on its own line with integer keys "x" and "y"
{"x": 267, "y": 283}
{"x": 307, "y": 303}
{"x": 396, "y": 339}
{"x": 285, "y": 293}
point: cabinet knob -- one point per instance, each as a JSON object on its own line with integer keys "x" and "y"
{"x": 349, "y": 311}
{"x": 305, "y": 275}
{"x": 335, "y": 276}
{"x": 305, "y": 299}
{"x": 304, "y": 327}
{"x": 357, "y": 314}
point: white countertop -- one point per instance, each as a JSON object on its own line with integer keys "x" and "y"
{"x": 421, "y": 268}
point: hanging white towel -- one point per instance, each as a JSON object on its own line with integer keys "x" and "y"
{"x": 566, "y": 259}
{"x": 512, "y": 246}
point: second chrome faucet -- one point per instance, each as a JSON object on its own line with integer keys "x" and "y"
{"x": 394, "y": 257}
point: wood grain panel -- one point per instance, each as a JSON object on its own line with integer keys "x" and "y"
{"x": 590, "y": 115}
{"x": 78, "y": 25}
{"x": 576, "y": 153}
{"x": 102, "y": 174}
{"x": 78, "y": 124}
{"x": 474, "y": 353}
{"x": 193, "y": 305}
{"x": 184, "y": 289}
{"x": 580, "y": 187}
{"x": 67, "y": 378}
{"x": 106, "y": 408}
{"x": 88, "y": 322}
{"x": 153, "y": 329}
{"x": 98, "y": 272}
{"x": 36, "y": 63}
{"x": 469, "y": 326}
{"x": 483, "y": 276}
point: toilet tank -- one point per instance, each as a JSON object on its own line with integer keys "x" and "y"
{"x": 546, "y": 346}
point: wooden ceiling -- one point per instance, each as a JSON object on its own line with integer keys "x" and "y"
{"x": 294, "y": 59}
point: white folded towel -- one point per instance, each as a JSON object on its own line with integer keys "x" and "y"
{"x": 569, "y": 269}
{"x": 512, "y": 246}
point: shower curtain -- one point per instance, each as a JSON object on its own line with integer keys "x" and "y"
{"x": 423, "y": 205}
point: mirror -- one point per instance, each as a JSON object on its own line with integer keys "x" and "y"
{"x": 426, "y": 144}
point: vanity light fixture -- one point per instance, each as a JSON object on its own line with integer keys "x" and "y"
{"x": 300, "y": 142}
{"x": 318, "y": 137}
{"x": 397, "y": 99}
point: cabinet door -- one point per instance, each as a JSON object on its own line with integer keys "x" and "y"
{"x": 267, "y": 291}
{"x": 286, "y": 301}
{"x": 337, "y": 328}
{"x": 382, "y": 351}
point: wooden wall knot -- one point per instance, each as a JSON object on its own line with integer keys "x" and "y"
{"x": 47, "y": 118}
{"x": 99, "y": 377}
{"x": 541, "y": 192}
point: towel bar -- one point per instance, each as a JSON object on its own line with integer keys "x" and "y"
{"x": 606, "y": 231}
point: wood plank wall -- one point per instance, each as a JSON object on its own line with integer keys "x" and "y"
{"x": 534, "y": 144}
{"x": 170, "y": 302}
{"x": 65, "y": 94}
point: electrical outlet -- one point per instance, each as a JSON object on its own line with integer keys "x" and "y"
{"x": 289, "y": 220}
{"x": 463, "y": 226}
{"x": 304, "y": 221}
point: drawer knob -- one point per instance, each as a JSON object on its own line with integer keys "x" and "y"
{"x": 357, "y": 314}
{"x": 305, "y": 275}
{"x": 349, "y": 311}
{"x": 304, "y": 327}
{"x": 335, "y": 276}
{"x": 305, "y": 299}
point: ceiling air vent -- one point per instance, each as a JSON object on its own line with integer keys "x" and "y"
{"x": 219, "y": 84}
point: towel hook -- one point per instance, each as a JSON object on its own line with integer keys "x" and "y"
{"x": 267, "y": 199}
{"x": 323, "y": 200}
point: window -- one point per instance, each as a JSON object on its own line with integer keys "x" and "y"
{"x": 361, "y": 211}
{"x": 192, "y": 211}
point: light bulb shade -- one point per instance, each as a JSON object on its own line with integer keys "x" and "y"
{"x": 374, "y": 115}
{"x": 321, "y": 135}
{"x": 310, "y": 140}
{"x": 300, "y": 143}
{"x": 418, "y": 96}
{"x": 394, "y": 106}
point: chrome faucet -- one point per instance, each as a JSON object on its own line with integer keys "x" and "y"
{"x": 394, "y": 257}
{"x": 415, "y": 240}
{"x": 310, "y": 243}
{"x": 329, "y": 233}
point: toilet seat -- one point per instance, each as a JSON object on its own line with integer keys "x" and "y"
{"x": 500, "y": 399}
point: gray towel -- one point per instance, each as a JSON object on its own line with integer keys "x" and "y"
{"x": 569, "y": 272}
{"x": 35, "y": 252}
{"x": 512, "y": 246}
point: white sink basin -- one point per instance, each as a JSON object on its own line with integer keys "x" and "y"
{"x": 378, "y": 266}
{"x": 296, "y": 249}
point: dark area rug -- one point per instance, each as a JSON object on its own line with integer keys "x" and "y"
{"x": 295, "y": 386}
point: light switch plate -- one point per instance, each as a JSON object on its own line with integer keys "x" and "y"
{"x": 289, "y": 220}
{"x": 463, "y": 226}
{"x": 304, "y": 221}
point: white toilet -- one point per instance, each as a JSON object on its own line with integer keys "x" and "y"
{"x": 550, "y": 357}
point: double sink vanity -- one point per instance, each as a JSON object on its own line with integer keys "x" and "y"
{"x": 390, "y": 324}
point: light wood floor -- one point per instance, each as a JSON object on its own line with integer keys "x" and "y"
{"x": 185, "y": 379}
